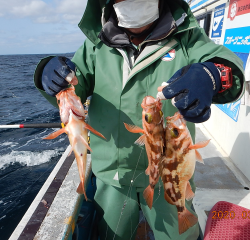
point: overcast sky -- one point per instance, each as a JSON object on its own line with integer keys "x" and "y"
{"x": 40, "y": 26}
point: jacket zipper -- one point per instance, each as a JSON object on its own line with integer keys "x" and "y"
{"x": 147, "y": 41}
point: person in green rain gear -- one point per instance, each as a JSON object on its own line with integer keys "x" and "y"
{"x": 132, "y": 47}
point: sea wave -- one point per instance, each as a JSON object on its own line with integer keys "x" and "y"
{"x": 11, "y": 144}
{"x": 28, "y": 158}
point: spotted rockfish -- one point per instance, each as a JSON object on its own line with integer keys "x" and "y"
{"x": 177, "y": 167}
{"x": 153, "y": 138}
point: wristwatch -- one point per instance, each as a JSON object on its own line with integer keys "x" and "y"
{"x": 226, "y": 77}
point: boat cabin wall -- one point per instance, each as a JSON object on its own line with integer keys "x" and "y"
{"x": 228, "y": 23}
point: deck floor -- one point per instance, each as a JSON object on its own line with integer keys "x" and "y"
{"x": 218, "y": 179}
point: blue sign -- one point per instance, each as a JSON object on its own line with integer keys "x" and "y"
{"x": 243, "y": 57}
{"x": 198, "y": 4}
{"x": 238, "y": 39}
{"x": 218, "y": 21}
{"x": 231, "y": 109}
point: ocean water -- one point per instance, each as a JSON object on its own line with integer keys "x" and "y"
{"x": 26, "y": 160}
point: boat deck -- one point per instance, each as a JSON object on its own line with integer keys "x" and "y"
{"x": 217, "y": 180}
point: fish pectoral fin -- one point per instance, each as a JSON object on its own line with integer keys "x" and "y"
{"x": 133, "y": 128}
{"x": 72, "y": 146}
{"x": 198, "y": 156}
{"x": 93, "y": 130}
{"x": 200, "y": 145}
{"x": 148, "y": 195}
{"x": 85, "y": 143}
{"x": 71, "y": 150}
{"x": 141, "y": 140}
{"x": 160, "y": 164}
{"x": 186, "y": 220}
{"x": 147, "y": 171}
{"x": 56, "y": 134}
{"x": 189, "y": 192}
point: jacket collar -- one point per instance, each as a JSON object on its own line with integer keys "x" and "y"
{"x": 91, "y": 23}
{"x": 114, "y": 36}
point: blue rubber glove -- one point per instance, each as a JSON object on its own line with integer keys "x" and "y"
{"x": 192, "y": 89}
{"x": 54, "y": 74}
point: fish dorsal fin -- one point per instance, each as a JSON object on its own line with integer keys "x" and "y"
{"x": 133, "y": 128}
{"x": 200, "y": 144}
{"x": 56, "y": 134}
{"x": 93, "y": 130}
{"x": 141, "y": 140}
{"x": 198, "y": 157}
{"x": 189, "y": 192}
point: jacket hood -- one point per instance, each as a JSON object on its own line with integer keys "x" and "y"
{"x": 97, "y": 12}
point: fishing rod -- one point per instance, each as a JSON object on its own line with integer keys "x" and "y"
{"x": 34, "y": 125}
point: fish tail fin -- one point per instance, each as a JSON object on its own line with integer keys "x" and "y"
{"x": 148, "y": 195}
{"x": 186, "y": 220}
{"x": 56, "y": 134}
{"x": 81, "y": 190}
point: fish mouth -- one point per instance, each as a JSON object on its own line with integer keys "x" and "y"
{"x": 79, "y": 116}
{"x": 74, "y": 114}
{"x": 150, "y": 102}
{"x": 177, "y": 120}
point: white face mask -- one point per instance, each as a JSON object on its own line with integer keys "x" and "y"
{"x": 136, "y": 13}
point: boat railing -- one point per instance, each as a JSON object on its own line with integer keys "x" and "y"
{"x": 54, "y": 211}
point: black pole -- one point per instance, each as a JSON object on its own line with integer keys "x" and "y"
{"x": 42, "y": 125}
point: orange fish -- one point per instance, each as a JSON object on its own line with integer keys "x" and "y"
{"x": 76, "y": 129}
{"x": 177, "y": 167}
{"x": 67, "y": 100}
{"x": 153, "y": 138}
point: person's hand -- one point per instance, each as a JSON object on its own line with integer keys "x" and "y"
{"x": 57, "y": 74}
{"x": 191, "y": 89}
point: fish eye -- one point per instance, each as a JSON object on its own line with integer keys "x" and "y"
{"x": 148, "y": 118}
{"x": 175, "y": 133}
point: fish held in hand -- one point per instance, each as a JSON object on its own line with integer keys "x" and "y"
{"x": 153, "y": 138}
{"x": 67, "y": 100}
{"x": 72, "y": 114}
{"x": 177, "y": 167}
{"x": 78, "y": 137}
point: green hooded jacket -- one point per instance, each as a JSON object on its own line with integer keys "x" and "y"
{"x": 118, "y": 86}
